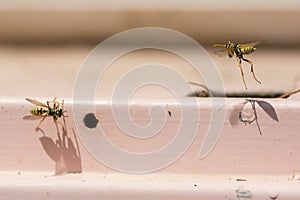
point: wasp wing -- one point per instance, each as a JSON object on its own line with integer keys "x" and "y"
{"x": 36, "y": 102}
{"x": 221, "y": 53}
{"x": 251, "y": 44}
{"x": 31, "y": 117}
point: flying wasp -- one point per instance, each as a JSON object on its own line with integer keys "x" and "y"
{"x": 45, "y": 110}
{"x": 239, "y": 50}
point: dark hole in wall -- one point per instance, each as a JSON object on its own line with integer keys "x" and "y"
{"x": 90, "y": 120}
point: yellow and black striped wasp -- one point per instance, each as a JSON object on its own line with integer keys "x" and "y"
{"x": 45, "y": 110}
{"x": 239, "y": 50}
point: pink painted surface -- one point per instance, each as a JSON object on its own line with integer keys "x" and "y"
{"x": 243, "y": 162}
{"x": 120, "y": 186}
{"x": 240, "y": 149}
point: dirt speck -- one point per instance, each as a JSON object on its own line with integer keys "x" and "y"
{"x": 241, "y": 179}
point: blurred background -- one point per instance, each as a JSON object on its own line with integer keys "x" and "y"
{"x": 43, "y": 44}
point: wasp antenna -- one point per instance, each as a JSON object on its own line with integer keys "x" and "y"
{"x": 219, "y": 45}
{"x": 28, "y": 99}
{"x": 62, "y": 104}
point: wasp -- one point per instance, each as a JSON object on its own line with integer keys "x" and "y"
{"x": 239, "y": 50}
{"x": 45, "y": 110}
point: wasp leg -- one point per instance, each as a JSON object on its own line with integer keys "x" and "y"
{"x": 252, "y": 70}
{"x": 54, "y": 100}
{"x": 58, "y": 122}
{"x": 38, "y": 126}
{"x": 62, "y": 107}
{"x": 240, "y": 66}
{"x": 289, "y": 94}
{"x": 64, "y": 114}
{"x": 55, "y": 103}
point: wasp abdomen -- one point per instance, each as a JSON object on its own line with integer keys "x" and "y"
{"x": 247, "y": 50}
{"x": 37, "y": 111}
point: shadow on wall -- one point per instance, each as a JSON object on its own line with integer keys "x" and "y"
{"x": 63, "y": 152}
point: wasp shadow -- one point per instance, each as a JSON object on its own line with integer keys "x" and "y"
{"x": 63, "y": 151}
{"x": 237, "y": 113}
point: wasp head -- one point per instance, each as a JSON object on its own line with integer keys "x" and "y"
{"x": 59, "y": 112}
